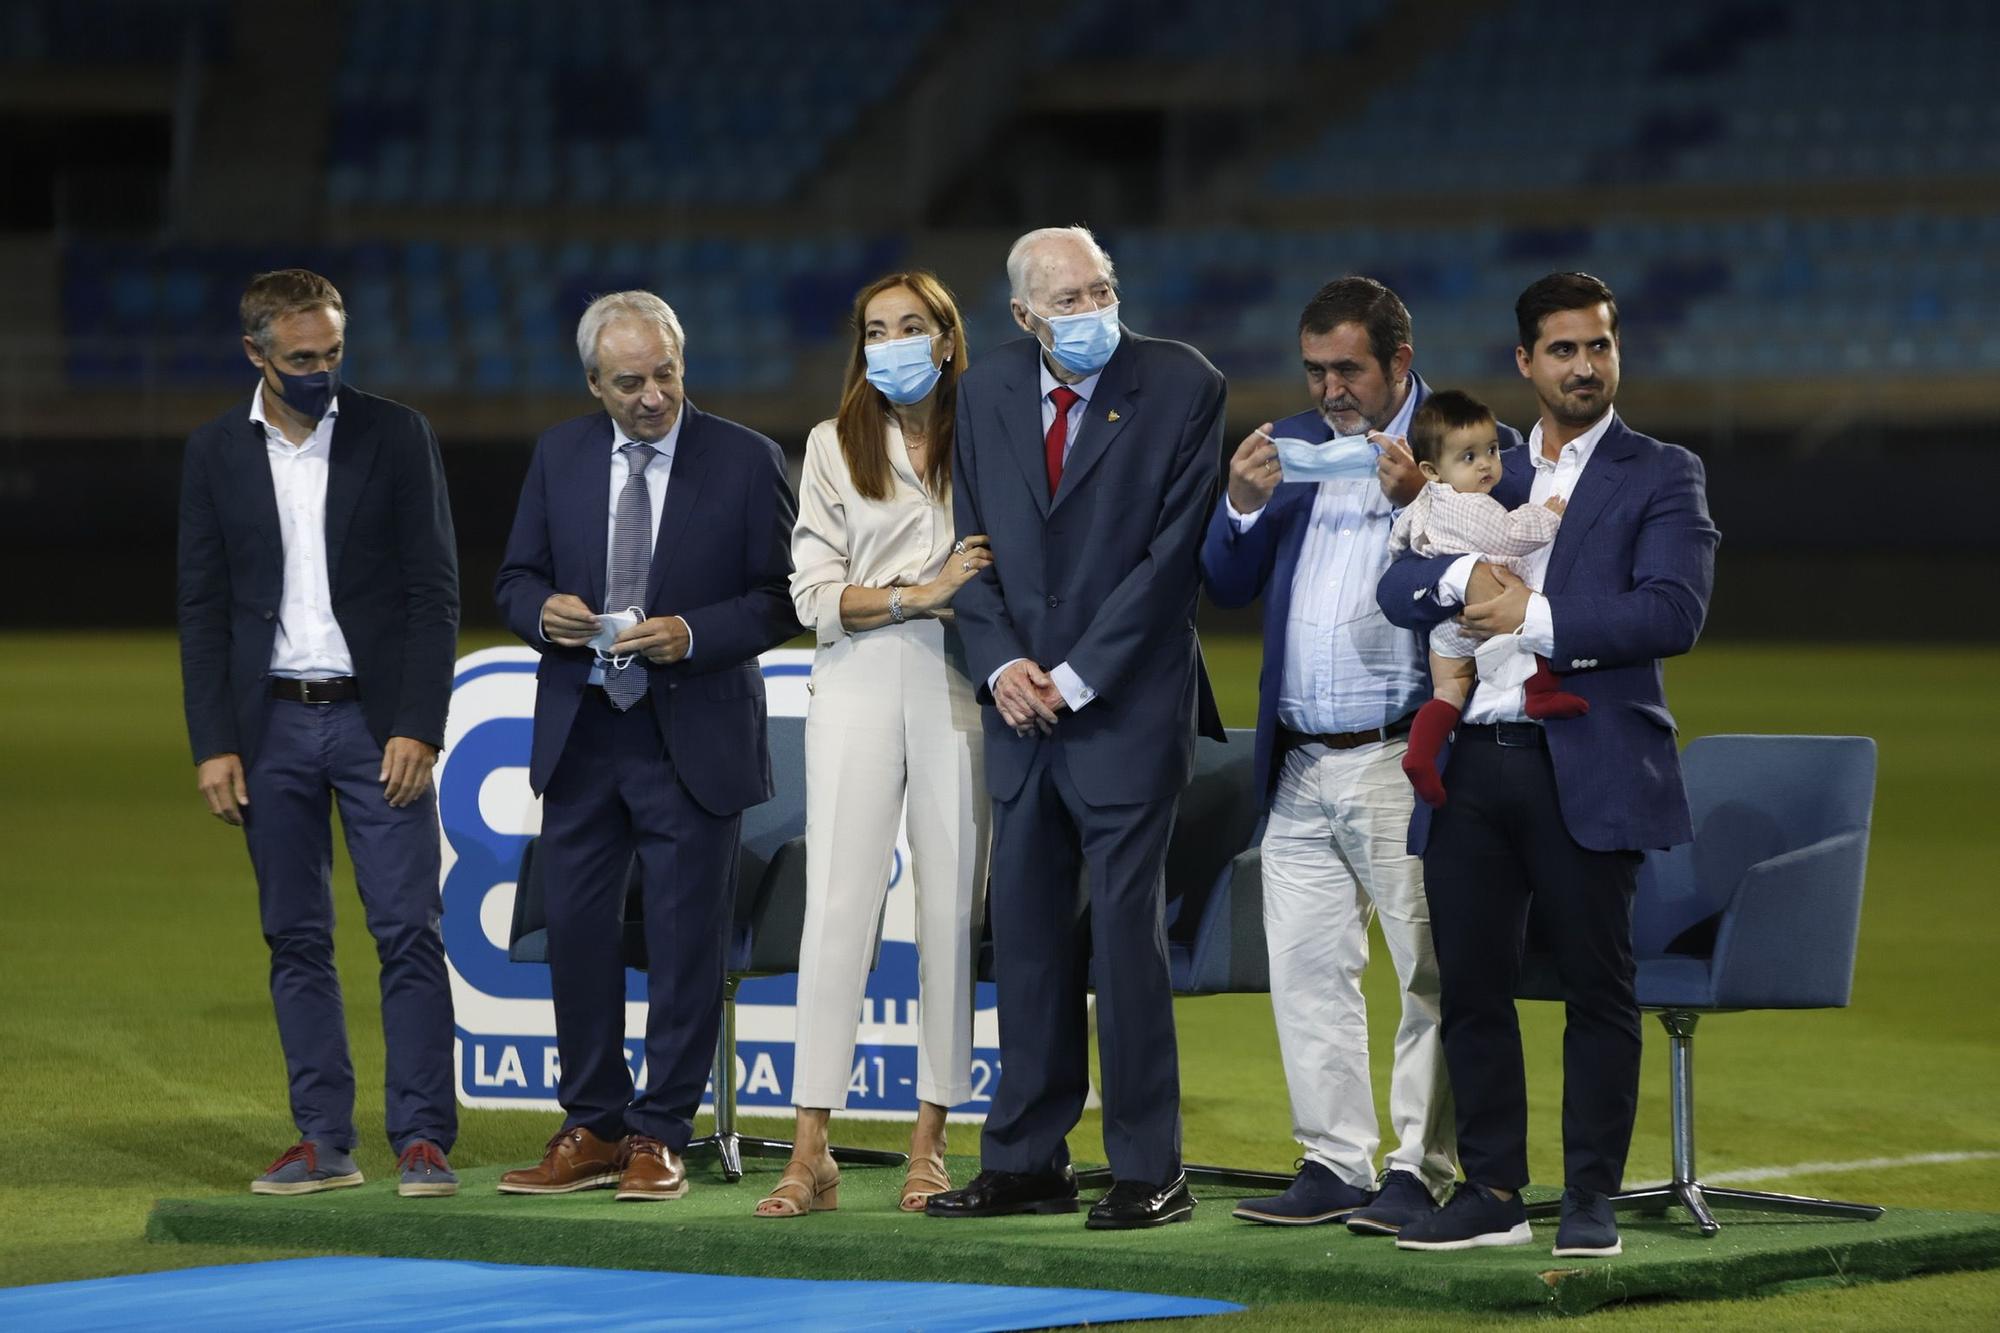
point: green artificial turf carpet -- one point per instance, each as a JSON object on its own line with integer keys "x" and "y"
{"x": 712, "y": 1231}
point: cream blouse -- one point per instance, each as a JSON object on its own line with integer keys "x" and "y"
{"x": 843, "y": 539}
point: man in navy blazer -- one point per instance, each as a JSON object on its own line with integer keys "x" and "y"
{"x": 1089, "y": 455}
{"x": 652, "y": 743}
{"x": 1553, "y": 816}
{"x": 1336, "y": 694}
{"x": 319, "y": 622}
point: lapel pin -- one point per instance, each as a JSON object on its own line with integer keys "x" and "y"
{"x": 1111, "y": 416}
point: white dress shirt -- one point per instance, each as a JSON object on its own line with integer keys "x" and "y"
{"x": 658, "y": 470}
{"x": 308, "y": 644}
{"x": 1068, "y": 684}
{"x": 1499, "y": 697}
{"x": 844, "y": 539}
{"x": 1346, "y": 668}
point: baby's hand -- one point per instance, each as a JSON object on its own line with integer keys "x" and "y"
{"x": 1554, "y": 504}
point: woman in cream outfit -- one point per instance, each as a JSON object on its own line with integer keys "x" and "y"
{"x": 892, "y": 718}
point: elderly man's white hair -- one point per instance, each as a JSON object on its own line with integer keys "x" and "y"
{"x": 625, "y": 305}
{"x": 1017, "y": 258}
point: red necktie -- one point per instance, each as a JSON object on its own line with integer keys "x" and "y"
{"x": 1064, "y": 398}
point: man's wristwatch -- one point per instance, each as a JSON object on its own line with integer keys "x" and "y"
{"x": 896, "y": 605}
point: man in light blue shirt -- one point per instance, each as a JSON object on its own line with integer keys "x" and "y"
{"x": 1336, "y": 693}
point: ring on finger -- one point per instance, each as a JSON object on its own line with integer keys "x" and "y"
{"x": 958, "y": 547}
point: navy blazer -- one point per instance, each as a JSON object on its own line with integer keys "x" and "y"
{"x": 1628, "y": 584}
{"x": 721, "y": 561}
{"x": 1104, "y": 574}
{"x": 1239, "y": 567}
{"x": 392, "y": 569}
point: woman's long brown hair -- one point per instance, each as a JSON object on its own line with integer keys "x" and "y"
{"x": 864, "y": 412}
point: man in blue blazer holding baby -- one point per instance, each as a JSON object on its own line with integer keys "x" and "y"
{"x": 1552, "y": 817}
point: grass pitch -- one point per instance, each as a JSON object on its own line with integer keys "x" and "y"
{"x": 138, "y": 1058}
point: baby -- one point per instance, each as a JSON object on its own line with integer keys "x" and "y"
{"x": 1457, "y": 447}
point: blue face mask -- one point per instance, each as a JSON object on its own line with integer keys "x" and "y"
{"x": 1344, "y": 458}
{"x": 309, "y": 395}
{"x": 1083, "y": 342}
{"x": 902, "y": 369}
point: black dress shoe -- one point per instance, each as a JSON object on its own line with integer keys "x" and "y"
{"x": 1003, "y": 1193}
{"x": 1132, "y": 1204}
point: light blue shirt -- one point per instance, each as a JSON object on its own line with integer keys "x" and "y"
{"x": 1346, "y": 667}
{"x": 659, "y": 470}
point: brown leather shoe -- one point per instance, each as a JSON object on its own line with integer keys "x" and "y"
{"x": 652, "y": 1170}
{"x": 576, "y": 1160}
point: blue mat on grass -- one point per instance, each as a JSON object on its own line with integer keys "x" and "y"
{"x": 419, "y": 1294}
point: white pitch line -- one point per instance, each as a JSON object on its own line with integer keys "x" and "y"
{"x": 1751, "y": 1175}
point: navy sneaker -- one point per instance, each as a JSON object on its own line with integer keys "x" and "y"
{"x": 1316, "y": 1195}
{"x": 1475, "y": 1217}
{"x": 425, "y": 1172}
{"x": 308, "y": 1167}
{"x": 1589, "y": 1227}
{"x": 1403, "y": 1199}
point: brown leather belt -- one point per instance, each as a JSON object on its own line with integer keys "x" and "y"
{"x": 1346, "y": 740}
{"x": 337, "y": 689}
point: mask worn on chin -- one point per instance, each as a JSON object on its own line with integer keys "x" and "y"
{"x": 309, "y": 395}
{"x": 902, "y": 368}
{"x": 1344, "y": 458}
{"x": 1084, "y": 341}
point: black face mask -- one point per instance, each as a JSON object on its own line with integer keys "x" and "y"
{"x": 309, "y": 395}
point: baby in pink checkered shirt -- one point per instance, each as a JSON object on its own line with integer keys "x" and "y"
{"x": 1457, "y": 446}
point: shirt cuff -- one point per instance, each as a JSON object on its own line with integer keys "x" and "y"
{"x": 1070, "y": 685}
{"x": 826, "y": 615}
{"x": 1538, "y": 628}
{"x": 1451, "y": 584}
{"x": 1243, "y": 522}
{"x": 690, "y": 633}
{"x": 994, "y": 679}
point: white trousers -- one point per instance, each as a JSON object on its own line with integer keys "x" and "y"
{"x": 892, "y": 720}
{"x": 1334, "y": 857}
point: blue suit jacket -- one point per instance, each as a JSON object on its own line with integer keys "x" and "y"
{"x": 721, "y": 561}
{"x": 1104, "y": 574}
{"x": 1628, "y": 584}
{"x": 1239, "y": 567}
{"x": 392, "y": 568}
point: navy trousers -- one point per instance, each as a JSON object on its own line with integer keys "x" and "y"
{"x": 614, "y": 793}
{"x": 1045, "y": 938}
{"x": 311, "y": 756}
{"x": 1499, "y": 855}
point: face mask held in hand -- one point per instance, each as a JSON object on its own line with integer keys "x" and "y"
{"x": 1343, "y": 458}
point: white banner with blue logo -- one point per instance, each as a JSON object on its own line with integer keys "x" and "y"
{"x": 506, "y": 1048}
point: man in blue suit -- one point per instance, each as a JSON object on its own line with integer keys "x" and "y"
{"x": 1089, "y": 455}
{"x": 650, "y": 743}
{"x": 1552, "y": 817}
{"x": 319, "y": 620}
{"x": 1338, "y": 688}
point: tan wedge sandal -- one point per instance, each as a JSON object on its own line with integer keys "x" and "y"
{"x": 802, "y": 1191}
{"x": 926, "y": 1177}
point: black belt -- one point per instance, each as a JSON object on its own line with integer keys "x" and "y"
{"x": 1346, "y": 740}
{"x": 1512, "y": 735}
{"x": 334, "y": 690}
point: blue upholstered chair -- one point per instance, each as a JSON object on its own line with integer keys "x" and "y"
{"x": 764, "y": 937}
{"x": 1761, "y": 911}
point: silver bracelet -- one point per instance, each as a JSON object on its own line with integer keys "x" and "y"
{"x": 896, "y": 605}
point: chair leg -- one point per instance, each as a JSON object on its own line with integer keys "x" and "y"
{"x": 730, "y": 1146}
{"x": 1686, "y": 1188}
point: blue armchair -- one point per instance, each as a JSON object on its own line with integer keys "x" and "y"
{"x": 1761, "y": 911}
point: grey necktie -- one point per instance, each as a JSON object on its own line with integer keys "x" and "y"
{"x": 631, "y": 558}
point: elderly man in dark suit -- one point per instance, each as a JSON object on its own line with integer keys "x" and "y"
{"x": 1089, "y": 454}
{"x": 1553, "y": 816}
{"x": 650, "y": 742}
{"x": 319, "y": 621}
